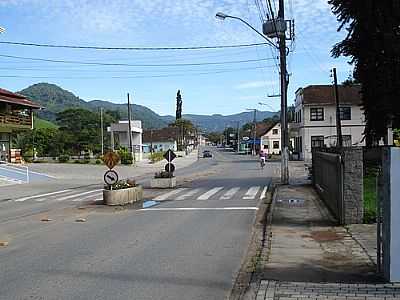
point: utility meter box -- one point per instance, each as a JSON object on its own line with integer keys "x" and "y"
{"x": 274, "y": 28}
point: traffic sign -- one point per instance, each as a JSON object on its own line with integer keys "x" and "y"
{"x": 170, "y": 168}
{"x": 169, "y": 155}
{"x": 111, "y": 159}
{"x": 111, "y": 177}
{"x": 245, "y": 138}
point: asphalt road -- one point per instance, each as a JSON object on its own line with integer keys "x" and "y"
{"x": 189, "y": 246}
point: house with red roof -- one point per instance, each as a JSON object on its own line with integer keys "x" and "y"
{"x": 16, "y": 115}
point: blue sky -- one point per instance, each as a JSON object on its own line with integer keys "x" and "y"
{"x": 224, "y": 89}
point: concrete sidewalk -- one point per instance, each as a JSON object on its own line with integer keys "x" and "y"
{"x": 310, "y": 257}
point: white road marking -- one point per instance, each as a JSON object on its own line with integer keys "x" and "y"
{"x": 264, "y": 192}
{"x": 251, "y": 193}
{"x": 169, "y": 194}
{"x": 88, "y": 197}
{"x": 77, "y": 195}
{"x": 211, "y": 192}
{"x": 197, "y": 208}
{"x": 42, "y": 195}
{"x": 188, "y": 194}
{"x": 229, "y": 194}
{"x": 22, "y": 171}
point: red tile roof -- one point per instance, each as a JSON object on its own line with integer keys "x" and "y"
{"x": 13, "y": 98}
{"x": 324, "y": 94}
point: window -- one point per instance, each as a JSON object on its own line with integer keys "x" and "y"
{"x": 317, "y": 141}
{"x": 317, "y": 114}
{"x": 265, "y": 146}
{"x": 276, "y": 145}
{"x": 274, "y": 131}
{"x": 346, "y": 140}
{"x": 345, "y": 113}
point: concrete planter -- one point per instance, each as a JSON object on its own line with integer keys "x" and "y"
{"x": 123, "y": 197}
{"x": 163, "y": 183}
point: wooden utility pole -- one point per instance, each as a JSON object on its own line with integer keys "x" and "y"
{"x": 130, "y": 128}
{"x": 339, "y": 136}
{"x": 284, "y": 86}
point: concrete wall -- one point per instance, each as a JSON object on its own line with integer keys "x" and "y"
{"x": 389, "y": 191}
{"x": 343, "y": 195}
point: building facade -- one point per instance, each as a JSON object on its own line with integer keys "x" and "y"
{"x": 16, "y": 115}
{"x": 271, "y": 140}
{"x": 120, "y": 136}
{"x": 156, "y": 140}
{"x": 315, "y": 118}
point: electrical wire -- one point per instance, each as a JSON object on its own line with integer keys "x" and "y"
{"x": 130, "y": 48}
{"x": 132, "y": 77}
{"x": 132, "y": 65}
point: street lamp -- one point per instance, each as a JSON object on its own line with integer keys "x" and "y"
{"x": 266, "y": 104}
{"x": 222, "y": 16}
{"x": 281, "y": 35}
{"x": 2, "y": 29}
{"x": 255, "y": 129}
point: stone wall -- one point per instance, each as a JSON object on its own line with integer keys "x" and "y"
{"x": 353, "y": 191}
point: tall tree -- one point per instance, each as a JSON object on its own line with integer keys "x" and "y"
{"x": 178, "y": 105}
{"x": 373, "y": 46}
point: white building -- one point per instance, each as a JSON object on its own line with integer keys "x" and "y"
{"x": 271, "y": 140}
{"x": 315, "y": 118}
{"x": 120, "y": 136}
{"x": 160, "y": 139}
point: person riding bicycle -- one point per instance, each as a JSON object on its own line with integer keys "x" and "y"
{"x": 263, "y": 158}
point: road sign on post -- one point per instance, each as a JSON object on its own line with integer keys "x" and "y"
{"x": 169, "y": 155}
{"x": 110, "y": 177}
{"x": 111, "y": 159}
{"x": 170, "y": 168}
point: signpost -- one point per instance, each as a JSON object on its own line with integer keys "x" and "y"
{"x": 170, "y": 156}
{"x": 111, "y": 177}
{"x": 111, "y": 159}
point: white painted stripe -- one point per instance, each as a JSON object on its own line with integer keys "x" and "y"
{"x": 42, "y": 195}
{"x": 251, "y": 193}
{"x": 211, "y": 192}
{"x": 264, "y": 192}
{"x": 88, "y": 197}
{"x": 77, "y": 195}
{"x": 188, "y": 194}
{"x": 197, "y": 208}
{"x": 42, "y": 174}
{"x": 169, "y": 194}
{"x": 229, "y": 194}
{"x": 22, "y": 171}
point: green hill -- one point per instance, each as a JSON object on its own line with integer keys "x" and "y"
{"x": 39, "y": 123}
{"x": 55, "y": 99}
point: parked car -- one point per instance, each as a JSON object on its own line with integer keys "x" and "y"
{"x": 207, "y": 153}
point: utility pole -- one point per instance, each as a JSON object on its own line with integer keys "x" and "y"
{"x": 255, "y": 131}
{"x": 102, "y": 131}
{"x": 130, "y": 127}
{"x": 339, "y": 137}
{"x": 238, "y": 137}
{"x": 284, "y": 86}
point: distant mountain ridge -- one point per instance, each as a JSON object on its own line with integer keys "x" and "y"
{"x": 55, "y": 99}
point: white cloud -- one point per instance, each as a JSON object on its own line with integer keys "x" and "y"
{"x": 255, "y": 84}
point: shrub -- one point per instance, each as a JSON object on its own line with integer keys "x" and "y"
{"x": 98, "y": 162}
{"x": 86, "y": 161}
{"x": 156, "y": 156}
{"x": 77, "y": 161}
{"x": 63, "y": 158}
{"x": 126, "y": 157}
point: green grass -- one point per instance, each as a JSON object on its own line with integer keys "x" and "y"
{"x": 40, "y": 123}
{"x": 156, "y": 156}
{"x": 370, "y": 196}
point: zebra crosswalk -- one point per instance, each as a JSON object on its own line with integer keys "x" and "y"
{"x": 214, "y": 193}
{"x": 179, "y": 194}
{"x": 64, "y": 195}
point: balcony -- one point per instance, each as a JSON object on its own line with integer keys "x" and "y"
{"x": 15, "y": 121}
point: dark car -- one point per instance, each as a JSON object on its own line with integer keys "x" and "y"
{"x": 206, "y": 153}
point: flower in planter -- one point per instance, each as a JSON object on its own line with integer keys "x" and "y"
{"x": 122, "y": 184}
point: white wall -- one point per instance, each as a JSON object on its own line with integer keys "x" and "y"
{"x": 327, "y": 127}
{"x": 269, "y": 138}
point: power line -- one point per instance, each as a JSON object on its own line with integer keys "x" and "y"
{"x": 133, "y": 77}
{"x": 131, "y": 48}
{"x": 133, "y": 65}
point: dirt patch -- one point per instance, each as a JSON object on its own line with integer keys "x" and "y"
{"x": 325, "y": 236}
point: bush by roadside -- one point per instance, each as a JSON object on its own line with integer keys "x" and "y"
{"x": 156, "y": 156}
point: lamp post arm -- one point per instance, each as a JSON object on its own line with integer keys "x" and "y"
{"x": 259, "y": 33}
